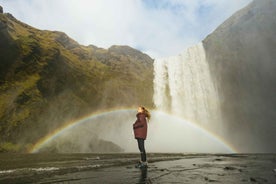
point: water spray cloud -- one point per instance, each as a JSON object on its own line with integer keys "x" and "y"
{"x": 167, "y": 133}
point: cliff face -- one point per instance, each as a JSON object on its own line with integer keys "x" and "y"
{"x": 47, "y": 79}
{"x": 242, "y": 59}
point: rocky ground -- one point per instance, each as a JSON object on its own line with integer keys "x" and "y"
{"x": 119, "y": 168}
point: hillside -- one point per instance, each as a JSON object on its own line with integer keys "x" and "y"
{"x": 47, "y": 79}
{"x": 241, "y": 55}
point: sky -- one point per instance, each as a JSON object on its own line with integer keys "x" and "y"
{"x": 160, "y": 28}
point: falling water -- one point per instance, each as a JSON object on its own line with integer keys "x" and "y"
{"x": 183, "y": 86}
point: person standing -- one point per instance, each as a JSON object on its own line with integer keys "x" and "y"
{"x": 140, "y": 128}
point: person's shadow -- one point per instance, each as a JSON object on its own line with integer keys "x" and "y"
{"x": 144, "y": 176}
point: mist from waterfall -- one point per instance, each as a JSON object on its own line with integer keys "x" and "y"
{"x": 112, "y": 132}
{"x": 184, "y": 95}
{"x": 183, "y": 86}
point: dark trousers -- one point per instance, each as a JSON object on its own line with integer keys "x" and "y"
{"x": 141, "y": 146}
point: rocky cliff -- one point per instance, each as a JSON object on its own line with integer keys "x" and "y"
{"x": 242, "y": 58}
{"x": 47, "y": 79}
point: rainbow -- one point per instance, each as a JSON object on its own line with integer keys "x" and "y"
{"x": 71, "y": 124}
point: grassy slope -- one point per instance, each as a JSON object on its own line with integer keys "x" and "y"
{"x": 47, "y": 79}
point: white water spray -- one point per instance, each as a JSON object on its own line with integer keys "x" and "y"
{"x": 183, "y": 86}
{"x": 166, "y": 133}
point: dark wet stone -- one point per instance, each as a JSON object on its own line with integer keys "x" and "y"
{"x": 120, "y": 169}
{"x": 218, "y": 159}
{"x": 229, "y": 168}
{"x": 259, "y": 180}
{"x": 209, "y": 180}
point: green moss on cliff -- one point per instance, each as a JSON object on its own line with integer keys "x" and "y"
{"x": 47, "y": 79}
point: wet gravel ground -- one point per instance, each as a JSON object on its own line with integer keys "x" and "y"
{"x": 119, "y": 168}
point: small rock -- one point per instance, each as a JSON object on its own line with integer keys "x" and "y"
{"x": 213, "y": 180}
{"x": 229, "y": 168}
{"x": 96, "y": 158}
{"x": 209, "y": 180}
{"x": 258, "y": 179}
{"x": 274, "y": 170}
{"x": 97, "y": 166}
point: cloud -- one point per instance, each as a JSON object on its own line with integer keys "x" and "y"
{"x": 158, "y": 27}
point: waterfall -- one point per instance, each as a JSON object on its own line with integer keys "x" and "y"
{"x": 183, "y": 86}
